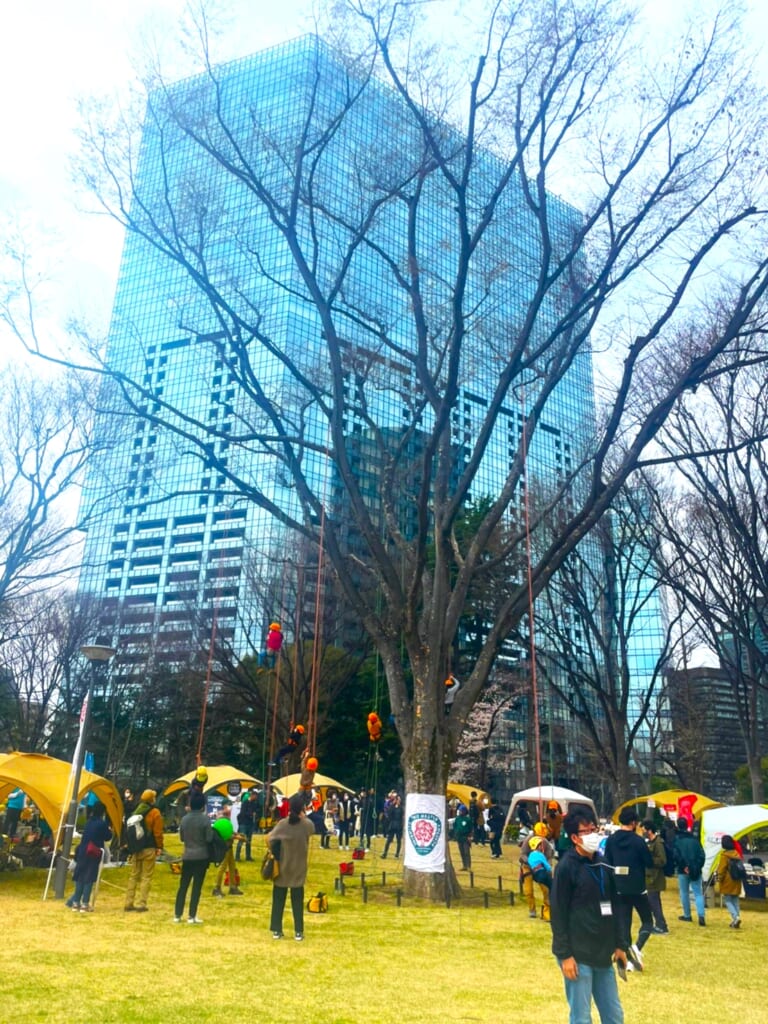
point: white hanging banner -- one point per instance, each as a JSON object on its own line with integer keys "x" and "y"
{"x": 425, "y": 833}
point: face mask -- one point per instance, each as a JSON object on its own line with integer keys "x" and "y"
{"x": 590, "y": 842}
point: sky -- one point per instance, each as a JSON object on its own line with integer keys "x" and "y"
{"x": 53, "y": 52}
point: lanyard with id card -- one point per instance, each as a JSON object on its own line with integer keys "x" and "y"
{"x": 606, "y": 908}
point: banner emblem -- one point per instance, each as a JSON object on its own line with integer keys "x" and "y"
{"x": 424, "y": 831}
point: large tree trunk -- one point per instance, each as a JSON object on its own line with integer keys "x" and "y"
{"x": 426, "y": 761}
{"x": 438, "y": 886}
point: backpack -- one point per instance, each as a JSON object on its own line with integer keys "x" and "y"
{"x": 217, "y": 848}
{"x": 137, "y": 835}
{"x": 669, "y": 866}
{"x": 318, "y": 904}
{"x": 540, "y": 869}
{"x": 736, "y": 869}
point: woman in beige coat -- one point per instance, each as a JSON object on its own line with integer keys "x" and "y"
{"x": 289, "y": 842}
{"x": 730, "y": 888}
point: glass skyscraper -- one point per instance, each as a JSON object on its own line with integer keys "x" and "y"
{"x": 215, "y": 331}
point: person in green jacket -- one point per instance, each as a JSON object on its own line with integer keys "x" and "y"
{"x": 226, "y": 830}
{"x": 463, "y": 829}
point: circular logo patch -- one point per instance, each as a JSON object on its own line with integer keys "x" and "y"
{"x": 424, "y": 832}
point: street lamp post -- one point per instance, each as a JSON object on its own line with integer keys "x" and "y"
{"x": 95, "y": 654}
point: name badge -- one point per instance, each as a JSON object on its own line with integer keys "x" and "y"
{"x": 621, "y": 869}
{"x": 605, "y": 908}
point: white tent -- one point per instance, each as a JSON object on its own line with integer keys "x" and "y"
{"x": 728, "y": 821}
{"x": 539, "y": 797}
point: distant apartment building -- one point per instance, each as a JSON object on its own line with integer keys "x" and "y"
{"x": 708, "y": 745}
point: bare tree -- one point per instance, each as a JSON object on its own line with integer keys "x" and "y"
{"x": 602, "y": 638}
{"x": 717, "y": 532}
{"x": 45, "y": 441}
{"x": 400, "y": 205}
{"x": 44, "y": 683}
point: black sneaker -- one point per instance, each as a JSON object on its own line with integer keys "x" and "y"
{"x": 702, "y": 922}
{"x": 660, "y": 931}
{"x": 684, "y": 918}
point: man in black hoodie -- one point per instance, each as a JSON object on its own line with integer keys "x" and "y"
{"x": 629, "y": 857}
{"x": 585, "y": 933}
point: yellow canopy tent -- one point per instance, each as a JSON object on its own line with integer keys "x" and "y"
{"x": 669, "y": 799}
{"x": 289, "y": 784}
{"x": 463, "y": 793}
{"x": 46, "y": 781}
{"x": 219, "y": 777}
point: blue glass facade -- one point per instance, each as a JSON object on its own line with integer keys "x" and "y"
{"x": 219, "y": 344}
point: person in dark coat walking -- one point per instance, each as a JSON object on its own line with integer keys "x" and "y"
{"x": 627, "y": 853}
{"x": 95, "y": 835}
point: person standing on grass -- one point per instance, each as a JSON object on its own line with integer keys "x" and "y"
{"x": 369, "y": 818}
{"x": 655, "y": 879}
{"x": 226, "y": 830}
{"x": 393, "y": 824}
{"x": 95, "y": 835}
{"x": 143, "y": 861}
{"x": 689, "y": 861}
{"x": 585, "y": 930}
{"x": 195, "y": 833}
{"x": 289, "y": 842}
{"x": 477, "y": 819}
{"x": 495, "y": 829}
{"x": 730, "y": 888}
{"x": 463, "y": 831}
{"x": 346, "y": 824}
{"x": 245, "y": 826}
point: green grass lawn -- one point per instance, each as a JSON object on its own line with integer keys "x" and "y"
{"x": 361, "y": 963}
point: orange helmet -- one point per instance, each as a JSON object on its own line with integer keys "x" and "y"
{"x": 300, "y": 728}
{"x": 312, "y": 764}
